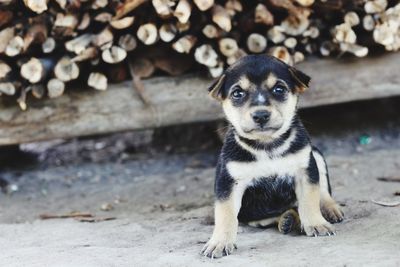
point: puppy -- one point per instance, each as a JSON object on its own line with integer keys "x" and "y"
{"x": 267, "y": 171}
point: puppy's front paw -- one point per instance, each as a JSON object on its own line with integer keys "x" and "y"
{"x": 216, "y": 248}
{"x": 332, "y": 212}
{"x": 322, "y": 228}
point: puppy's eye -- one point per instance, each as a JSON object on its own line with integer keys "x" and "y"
{"x": 238, "y": 93}
{"x": 278, "y": 90}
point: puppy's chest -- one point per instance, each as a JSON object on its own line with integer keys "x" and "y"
{"x": 265, "y": 166}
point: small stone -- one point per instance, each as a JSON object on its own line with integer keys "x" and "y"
{"x": 12, "y": 188}
{"x": 43, "y": 192}
{"x": 100, "y": 145}
{"x": 106, "y": 207}
{"x": 182, "y": 188}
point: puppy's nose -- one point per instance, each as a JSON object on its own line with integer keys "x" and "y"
{"x": 261, "y": 117}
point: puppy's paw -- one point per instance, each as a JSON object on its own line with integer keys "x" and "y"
{"x": 216, "y": 248}
{"x": 322, "y": 228}
{"x": 332, "y": 212}
{"x": 288, "y": 221}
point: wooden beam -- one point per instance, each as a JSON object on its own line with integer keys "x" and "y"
{"x": 184, "y": 99}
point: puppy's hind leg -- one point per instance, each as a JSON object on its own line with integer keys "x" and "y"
{"x": 329, "y": 208}
{"x": 287, "y": 222}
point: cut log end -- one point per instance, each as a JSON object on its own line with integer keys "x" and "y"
{"x": 122, "y": 23}
{"x": 85, "y": 22}
{"x": 352, "y": 19}
{"x": 147, "y": 33}
{"x": 206, "y": 55}
{"x": 87, "y": 54}
{"x": 357, "y": 50}
{"x": 290, "y": 42}
{"x": 276, "y": 35}
{"x": 127, "y": 42}
{"x": 37, "y": 6}
{"x": 114, "y": 55}
{"x": 183, "y": 11}
{"x": 163, "y": 7}
{"x": 262, "y": 15}
{"x": 15, "y": 46}
{"x": 376, "y": 6}
{"x": 7, "y": 88}
{"x": 97, "y": 81}
{"x": 103, "y": 17}
{"x": 211, "y": 32}
{"x": 305, "y": 3}
{"x": 368, "y": 23}
{"x": 204, "y": 5}
{"x": 296, "y": 23}
{"x": 49, "y": 45}
{"x": 184, "y": 44}
{"x": 282, "y": 53}
{"x": 5, "y": 70}
{"x": 66, "y": 70}
{"x": 168, "y": 32}
{"x": 55, "y": 88}
{"x": 33, "y": 70}
{"x": 97, "y": 4}
{"x": 79, "y": 44}
{"x": 256, "y": 43}
{"x": 217, "y": 71}
{"x": 228, "y": 46}
{"x": 222, "y": 18}
{"x": 103, "y": 39}
{"x": 343, "y": 33}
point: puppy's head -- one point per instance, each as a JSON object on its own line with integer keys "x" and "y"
{"x": 259, "y": 96}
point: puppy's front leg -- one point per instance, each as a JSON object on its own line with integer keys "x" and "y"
{"x": 308, "y": 196}
{"x": 222, "y": 241}
{"x": 312, "y": 221}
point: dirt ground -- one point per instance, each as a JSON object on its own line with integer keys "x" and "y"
{"x": 158, "y": 185}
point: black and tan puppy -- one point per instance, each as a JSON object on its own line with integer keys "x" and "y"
{"x": 267, "y": 170}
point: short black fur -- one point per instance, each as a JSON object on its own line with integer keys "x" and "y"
{"x": 231, "y": 151}
{"x": 312, "y": 170}
{"x": 269, "y": 196}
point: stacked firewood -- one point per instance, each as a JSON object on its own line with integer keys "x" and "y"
{"x": 45, "y": 46}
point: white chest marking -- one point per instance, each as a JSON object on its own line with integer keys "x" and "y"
{"x": 265, "y": 166}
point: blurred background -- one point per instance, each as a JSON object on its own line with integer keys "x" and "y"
{"x": 108, "y": 139}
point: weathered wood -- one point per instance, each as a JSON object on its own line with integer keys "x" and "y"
{"x": 183, "y": 99}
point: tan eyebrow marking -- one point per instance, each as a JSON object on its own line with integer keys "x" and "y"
{"x": 271, "y": 80}
{"x": 244, "y": 82}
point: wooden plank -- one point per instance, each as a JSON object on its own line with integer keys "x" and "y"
{"x": 182, "y": 100}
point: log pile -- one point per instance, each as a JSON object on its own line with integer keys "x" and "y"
{"x": 47, "y": 45}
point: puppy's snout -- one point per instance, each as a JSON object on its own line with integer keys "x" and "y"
{"x": 261, "y": 117}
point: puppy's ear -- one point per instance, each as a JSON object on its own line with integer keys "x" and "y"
{"x": 302, "y": 80}
{"x": 215, "y": 90}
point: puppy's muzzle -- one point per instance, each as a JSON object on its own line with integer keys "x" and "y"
{"x": 261, "y": 117}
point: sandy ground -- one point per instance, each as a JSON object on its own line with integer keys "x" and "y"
{"x": 162, "y": 203}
